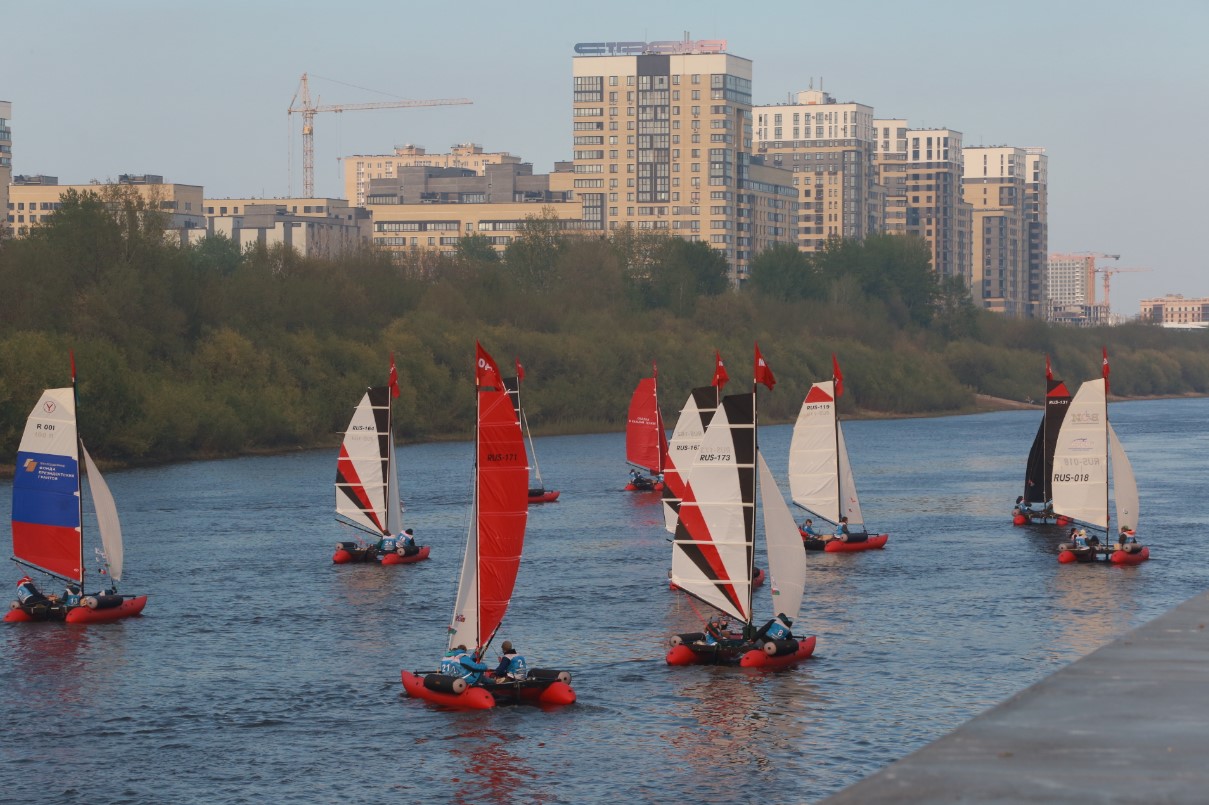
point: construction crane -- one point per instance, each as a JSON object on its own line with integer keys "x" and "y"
{"x": 301, "y": 104}
{"x": 1108, "y": 272}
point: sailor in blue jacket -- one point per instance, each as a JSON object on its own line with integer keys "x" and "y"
{"x": 779, "y": 628}
{"x": 461, "y": 663}
{"x": 512, "y": 665}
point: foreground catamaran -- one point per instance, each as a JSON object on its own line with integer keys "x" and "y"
{"x": 645, "y": 437}
{"x": 713, "y": 552}
{"x": 538, "y": 493}
{"x": 1037, "y": 502}
{"x": 499, "y": 510}
{"x": 1087, "y": 446}
{"x": 47, "y": 521}
{"x": 820, "y": 475}
{"x": 367, "y": 484}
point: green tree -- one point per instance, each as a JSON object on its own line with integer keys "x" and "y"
{"x": 786, "y": 273}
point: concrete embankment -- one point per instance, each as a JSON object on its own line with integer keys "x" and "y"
{"x": 1128, "y": 723}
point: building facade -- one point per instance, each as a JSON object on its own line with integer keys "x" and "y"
{"x": 433, "y": 207}
{"x": 6, "y": 162}
{"x": 919, "y": 171}
{"x": 829, "y": 148}
{"x": 360, "y": 170}
{"x": 1173, "y": 310}
{"x": 313, "y": 227}
{"x": 33, "y": 198}
{"x": 662, "y": 138}
{"x": 993, "y": 183}
{"x": 1036, "y": 219}
{"x": 1071, "y": 288}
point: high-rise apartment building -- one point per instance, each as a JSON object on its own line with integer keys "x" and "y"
{"x": 6, "y": 162}
{"x": 993, "y": 183}
{"x": 662, "y": 136}
{"x": 1036, "y": 218}
{"x": 360, "y": 170}
{"x": 829, "y": 148}
{"x": 1070, "y": 287}
{"x": 919, "y": 171}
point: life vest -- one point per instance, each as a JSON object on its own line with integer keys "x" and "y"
{"x": 517, "y": 669}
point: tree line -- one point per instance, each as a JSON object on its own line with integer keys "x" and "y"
{"x": 211, "y": 350}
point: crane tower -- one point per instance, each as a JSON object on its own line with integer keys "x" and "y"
{"x": 301, "y": 104}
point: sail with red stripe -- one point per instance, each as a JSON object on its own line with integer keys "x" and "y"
{"x": 713, "y": 551}
{"x": 645, "y": 437}
{"x": 46, "y": 489}
{"x": 497, "y": 531}
{"x": 367, "y": 485}
{"x": 682, "y": 449}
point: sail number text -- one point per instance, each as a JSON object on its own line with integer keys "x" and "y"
{"x": 501, "y": 456}
{"x": 1069, "y": 477}
{"x": 715, "y": 457}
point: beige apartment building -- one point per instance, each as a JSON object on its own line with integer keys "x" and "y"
{"x": 919, "y": 171}
{"x": 33, "y": 198}
{"x": 1173, "y": 310}
{"x": 1071, "y": 289}
{"x": 829, "y": 148}
{"x": 663, "y": 141}
{"x": 993, "y": 183}
{"x": 313, "y": 227}
{"x": 360, "y": 170}
{"x": 6, "y": 161}
{"x": 431, "y": 208}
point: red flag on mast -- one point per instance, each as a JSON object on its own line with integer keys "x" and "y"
{"x": 1104, "y": 369}
{"x": 837, "y": 376}
{"x": 393, "y": 382}
{"x": 486, "y": 372}
{"x": 1049, "y": 373}
{"x": 763, "y": 372}
{"x": 520, "y": 370}
{"x": 721, "y": 378}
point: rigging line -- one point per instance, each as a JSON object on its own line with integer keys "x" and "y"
{"x": 355, "y": 86}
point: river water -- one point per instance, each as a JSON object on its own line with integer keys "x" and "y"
{"x": 261, "y": 672}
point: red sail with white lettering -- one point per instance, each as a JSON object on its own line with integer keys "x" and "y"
{"x": 645, "y": 437}
{"x": 497, "y": 532}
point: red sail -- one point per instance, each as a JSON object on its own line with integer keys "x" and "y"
{"x": 503, "y": 506}
{"x": 645, "y": 438}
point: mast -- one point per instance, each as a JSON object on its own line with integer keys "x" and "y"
{"x": 75, "y": 399}
{"x": 662, "y": 435}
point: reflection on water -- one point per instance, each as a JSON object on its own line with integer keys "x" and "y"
{"x": 261, "y": 671}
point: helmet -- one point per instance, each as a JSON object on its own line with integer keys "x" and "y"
{"x": 408, "y": 531}
{"x": 23, "y": 580}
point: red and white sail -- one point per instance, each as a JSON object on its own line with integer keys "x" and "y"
{"x": 497, "y": 529}
{"x": 820, "y": 475}
{"x": 645, "y": 437}
{"x": 713, "y": 550}
{"x": 1080, "y": 480}
{"x": 367, "y": 484}
{"x": 682, "y": 449}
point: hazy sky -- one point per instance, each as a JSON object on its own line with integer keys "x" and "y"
{"x": 1116, "y": 92}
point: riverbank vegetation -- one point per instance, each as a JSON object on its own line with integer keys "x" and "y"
{"x": 210, "y": 350}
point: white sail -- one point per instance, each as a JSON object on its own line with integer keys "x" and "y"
{"x": 364, "y": 465}
{"x": 464, "y": 628}
{"x": 712, "y": 552}
{"x": 1080, "y": 479}
{"x": 1124, "y": 486}
{"x": 683, "y": 447}
{"x": 850, "y": 504}
{"x": 814, "y": 482}
{"x": 107, "y": 516}
{"x": 786, "y": 559}
{"x": 394, "y": 506}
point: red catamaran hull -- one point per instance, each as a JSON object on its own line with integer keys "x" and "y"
{"x": 127, "y": 609}
{"x": 343, "y": 557}
{"x": 683, "y": 654}
{"x": 477, "y": 697}
{"x": 544, "y": 497}
{"x": 874, "y": 543}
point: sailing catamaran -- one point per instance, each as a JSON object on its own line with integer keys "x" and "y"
{"x": 645, "y": 437}
{"x": 493, "y": 553}
{"x": 820, "y": 475}
{"x": 1036, "y": 504}
{"x": 713, "y": 552}
{"x": 1087, "y": 446}
{"x": 48, "y": 532}
{"x": 538, "y": 493}
{"x": 367, "y": 484}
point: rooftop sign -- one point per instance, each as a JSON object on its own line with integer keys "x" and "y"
{"x": 639, "y": 48}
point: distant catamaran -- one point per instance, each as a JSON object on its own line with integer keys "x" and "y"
{"x": 1036, "y": 504}
{"x": 645, "y": 437}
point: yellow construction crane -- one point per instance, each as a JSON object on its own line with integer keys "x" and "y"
{"x": 301, "y": 104}
{"x": 1108, "y": 272}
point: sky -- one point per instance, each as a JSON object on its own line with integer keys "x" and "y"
{"x": 198, "y": 92}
